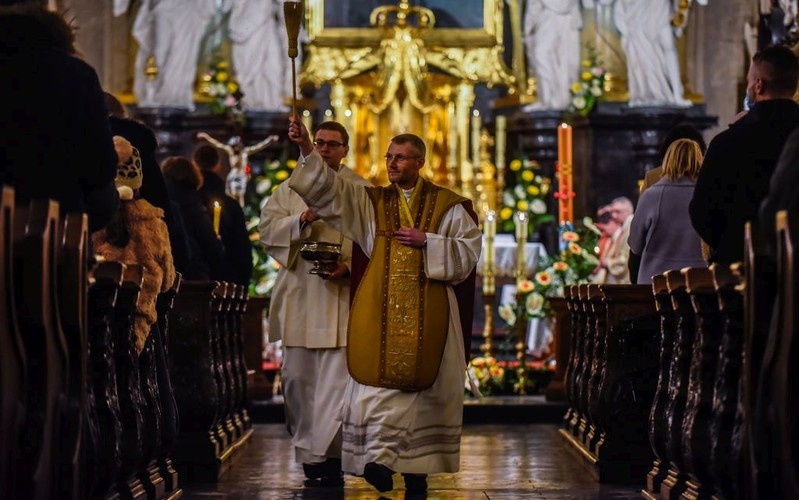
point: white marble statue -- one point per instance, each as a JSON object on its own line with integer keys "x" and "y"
{"x": 647, "y": 38}
{"x": 552, "y": 43}
{"x": 260, "y": 53}
{"x": 171, "y": 31}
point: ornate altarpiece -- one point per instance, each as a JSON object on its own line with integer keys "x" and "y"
{"x": 403, "y": 72}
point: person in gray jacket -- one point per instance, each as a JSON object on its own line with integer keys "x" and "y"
{"x": 661, "y": 232}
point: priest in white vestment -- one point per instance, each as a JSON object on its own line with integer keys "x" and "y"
{"x": 309, "y": 314}
{"x": 414, "y": 431}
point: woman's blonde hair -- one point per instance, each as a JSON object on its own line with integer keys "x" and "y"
{"x": 682, "y": 159}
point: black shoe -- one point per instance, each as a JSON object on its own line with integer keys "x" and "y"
{"x": 415, "y": 484}
{"x": 313, "y": 471}
{"x": 379, "y": 476}
{"x": 331, "y": 467}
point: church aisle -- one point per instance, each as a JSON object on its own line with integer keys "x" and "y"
{"x": 498, "y": 462}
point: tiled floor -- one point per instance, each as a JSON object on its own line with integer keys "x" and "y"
{"x": 498, "y": 462}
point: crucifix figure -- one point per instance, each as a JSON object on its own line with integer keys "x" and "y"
{"x": 236, "y": 183}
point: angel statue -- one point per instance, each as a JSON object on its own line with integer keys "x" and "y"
{"x": 238, "y": 154}
{"x": 647, "y": 37}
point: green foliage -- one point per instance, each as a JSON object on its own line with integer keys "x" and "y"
{"x": 265, "y": 268}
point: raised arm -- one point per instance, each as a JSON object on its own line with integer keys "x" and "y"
{"x": 213, "y": 142}
{"x": 261, "y": 145}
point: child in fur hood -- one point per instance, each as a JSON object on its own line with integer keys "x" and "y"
{"x": 137, "y": 235}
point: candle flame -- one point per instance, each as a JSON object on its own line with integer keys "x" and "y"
{"x": 216, "y": 204}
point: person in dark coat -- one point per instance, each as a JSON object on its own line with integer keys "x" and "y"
{"x": 783, "y": 193}
{"x": 237, "y": 266}
{"x": 183, "y": 179}
{"x": 735, "y": 174}
{"x": 154, "y": 187}
{"x": 55, "y": 139}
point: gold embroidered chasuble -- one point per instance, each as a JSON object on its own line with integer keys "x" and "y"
{"x": 399, "y": 318}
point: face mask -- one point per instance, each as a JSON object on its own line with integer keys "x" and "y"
{"x": 747, "y": 103}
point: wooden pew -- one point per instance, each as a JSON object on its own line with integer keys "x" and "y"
{"x": 12, "y": 355}
{"x": 169, "y": 411}
{"x": 128, "y": 383}
{"x": 658, "y": 421}
{"x": 37, "y": 237}
{"x": 777, "y": 401}
{"x": 615, "y": 379}
{"x": 104, "y": 454}
{"x": 726, "y": 446}
{"x": 696, "y": 437}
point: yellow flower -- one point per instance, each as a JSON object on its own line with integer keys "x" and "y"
{"x": 291, "y": 163}
{"x": 571, "y": 236}
{"x": 526, "y": 286}
{"x": 533, "y": 190}
{"x": 586, "y": 63}
{"x": 273, "y": 188}
{"x": 222, "y": 65}
{"x": 575, "y": 248}
{"x": 521, "y": 205}
{"x": 222, "y": 76}
{"x": 281, "y": 175}
{"x": 527, "y": 176}
{"x": 586, "y": 76}
{"x": 515, "y": 165}
{"x": 232, "y": 87}
{"x": 478, "y": 362}
{"x": 576, "y": 88}
{"x": 543, "y": 278}
{"x": 506, "y": 213}
{"x": 560, "y": 266}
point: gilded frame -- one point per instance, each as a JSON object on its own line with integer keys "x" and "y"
{"x": 489, "y": 35}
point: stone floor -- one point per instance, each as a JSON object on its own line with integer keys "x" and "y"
{"x": 498, "y": 462}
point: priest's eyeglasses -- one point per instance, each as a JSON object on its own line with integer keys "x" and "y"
{"x": 319, "y": 143}
{"x": 400, "y": 158}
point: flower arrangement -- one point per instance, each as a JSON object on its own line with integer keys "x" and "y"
{"x": 220, "y": 87}
{"x": 496, "y": 378}
{"x": 590, "y": 88}
{"x": 529, "y": 193}
{"x": 265, "y": 268}
{"x": 573, "y": 265}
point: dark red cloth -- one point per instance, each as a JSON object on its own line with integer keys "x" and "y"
{"x": 464, "y": 291}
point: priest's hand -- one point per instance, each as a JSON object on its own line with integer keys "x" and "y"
{"x": 308, "y": 216}
{"x": 411, "y": 237}
{"x": 341, "y": 271}
{"x": 299, "y": 135}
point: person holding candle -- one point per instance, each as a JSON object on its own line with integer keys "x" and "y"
{"x": 137, "y": 234}
{"x": 314, "y": 365}
{"x": 228, "y": 217}
{"x": 403, "y": 405}
{"x": 183, "y": 180}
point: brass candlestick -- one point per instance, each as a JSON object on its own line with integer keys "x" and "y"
{"x": 292, "y": 12}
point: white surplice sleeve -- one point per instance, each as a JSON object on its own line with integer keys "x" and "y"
{"x": 452, "y": 253}
{"x": 342, "y": 204}
{"x": 279, "y": 228}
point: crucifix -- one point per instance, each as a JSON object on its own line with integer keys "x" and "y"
{"x": 237, "y": 153}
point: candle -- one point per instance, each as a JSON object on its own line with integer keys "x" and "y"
{"x": 452, "y": 140}
{"x": 489, "y": 256}
{"x": 565, "y": 194}
{"x": 476, "y": 126}
{"x": 565, "y": 144}
{"x": 217, "y": 216}
{"x": 501, "y": 134}
{"x": 521, "y": 246}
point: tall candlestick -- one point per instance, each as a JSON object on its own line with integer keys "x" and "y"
{"x": 217, "y": 216}
{"x": 476, "y": 126}
{"x": 489, "y": 255}
{"x": 565, "y": 193}
{"x": 501, "y": 146}
{"x": 521, "y": 246}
